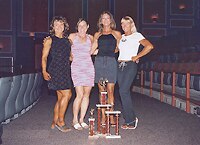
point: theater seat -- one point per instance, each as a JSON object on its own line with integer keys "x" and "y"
{"x": 5, "y": 85}
{"x": 27, "y": 95}
{"x": 10, "y": 108}
{"x": 20, "y": 97}
{"x": 39, "y": 88}
{"x": 37, "y": 84}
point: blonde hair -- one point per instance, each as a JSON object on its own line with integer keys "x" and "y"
{"x": 112, "y": 23}
{"x": 129, "y": 19}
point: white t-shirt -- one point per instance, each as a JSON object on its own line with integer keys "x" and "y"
{"x": 129, "y": 45}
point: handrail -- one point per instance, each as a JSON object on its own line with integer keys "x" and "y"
{"x": 187, "y": 69}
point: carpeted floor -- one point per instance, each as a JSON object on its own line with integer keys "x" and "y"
{"x": 159, "y": 124}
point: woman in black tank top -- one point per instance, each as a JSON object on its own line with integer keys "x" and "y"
{"x": 58, "y": 74}
{"x": 106, "y": 41}
{"x": 107, "y": 45}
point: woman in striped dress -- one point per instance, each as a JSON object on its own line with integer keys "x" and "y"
{"x": 82, "y": 70}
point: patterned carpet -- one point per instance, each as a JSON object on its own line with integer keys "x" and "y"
{"x": 159, "y": 124}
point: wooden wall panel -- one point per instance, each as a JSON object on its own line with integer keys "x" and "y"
{"x": 182, "y": 7}
{"x": 5, "y": 44}
{"x": 184, "y": 23}
{"x": 95, "y": 8}
{"x": 126, "y": 7}
{"x": 6, "y": 64}
{"x": 71, "y": 9}
{"x": 35, "y": 16}
{"x": 154, "y": 32}
{"x": 5, "y": 14}
{"x": 152, "y": 9}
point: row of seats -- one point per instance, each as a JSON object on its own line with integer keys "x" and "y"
{"x": 175, "y": 58}
{"x": 187, "y": 79}
{"x": 17, "y": 95}
{"x": 180, "y": 83}
{"x": 180, "y": 57}
{"x": 169, "y": 70}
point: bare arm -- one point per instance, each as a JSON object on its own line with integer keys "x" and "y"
{"x": 45, "y": 39}
{"x": 91, "y": 38}
{"x": 95, "y": 44}
{"x": 45, "y": 53}
{"x": 71, "y": 39}
{"x": 147, "y": 48}
{"x": 117, "y": 36}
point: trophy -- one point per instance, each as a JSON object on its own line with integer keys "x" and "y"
{"x": 103, "y": 82}
{"x": 100, "y": 127}
{"x": 108, "y": 133}
{"x": 104, "y": 109}
{"x": 91, "y": 123}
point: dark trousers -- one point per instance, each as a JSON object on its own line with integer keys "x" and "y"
{"x": 126, "y": 75}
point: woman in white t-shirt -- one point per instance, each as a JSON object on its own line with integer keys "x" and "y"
{"x": 128, "y": 57}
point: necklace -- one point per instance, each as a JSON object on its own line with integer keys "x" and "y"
{"x": 124, "y": 39}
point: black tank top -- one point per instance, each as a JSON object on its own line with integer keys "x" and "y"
{"x": 107, "y": 45}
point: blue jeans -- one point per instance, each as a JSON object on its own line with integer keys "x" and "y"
{"x": 126, "y": 75}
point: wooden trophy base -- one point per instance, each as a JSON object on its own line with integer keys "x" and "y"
{"x": 113, "y": 136}
{"x": 95, "y": 136}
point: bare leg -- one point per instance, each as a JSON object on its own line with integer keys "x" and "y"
{"x": 84, "y": 103}
{"x": 77, "y": 103}
{"x": 63, "y": 103}
{"x": 110, "y": 91}
{"x": 56, "y": 110}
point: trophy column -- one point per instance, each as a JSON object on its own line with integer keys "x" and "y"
{"x": 91, "y": 127}
{"x": 91, "y": 119}
{"x": 116, "y": 114}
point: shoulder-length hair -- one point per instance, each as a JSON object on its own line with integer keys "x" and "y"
{"x": 112, "y": 24}
{"x": 61, "y": 19}
{"x": 79, "y": 21}
{"x": 129, "y": 19}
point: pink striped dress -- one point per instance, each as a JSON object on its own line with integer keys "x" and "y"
{"x": 82, "y": 68}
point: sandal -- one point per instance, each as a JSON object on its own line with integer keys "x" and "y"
{"x": 84, "y": 125}
{"x": 63, "y": 128}
{"x": 124, "y": 126}
{"x": 130, "y": 126}
{"x": 77, "y": 126}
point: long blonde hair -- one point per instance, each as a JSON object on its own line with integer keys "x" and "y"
{"x": 129, "y": 19}
{"x": 112, "y": 24}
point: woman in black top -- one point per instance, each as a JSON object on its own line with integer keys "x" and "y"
{"x": 106, "y": 41}
{"x": 58, "y": 74}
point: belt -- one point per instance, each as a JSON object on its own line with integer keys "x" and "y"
{"x": 124, "y": 60}
{"x": 122, "y": 65}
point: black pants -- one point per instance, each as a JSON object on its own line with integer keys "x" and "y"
{"x": 126, "y": 74}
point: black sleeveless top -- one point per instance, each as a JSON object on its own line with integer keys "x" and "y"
{"x": 59, "y": 66}
{"x": 107, "y": 45}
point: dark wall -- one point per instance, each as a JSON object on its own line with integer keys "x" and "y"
{"x": 25, "y": 52}
{"x": 31, "y": 18}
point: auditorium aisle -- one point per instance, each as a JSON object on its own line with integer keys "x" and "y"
{"x": 159, "y": 124}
